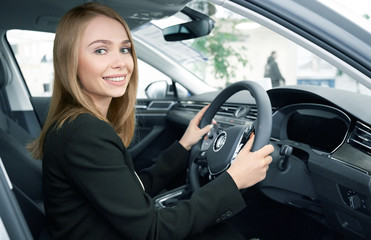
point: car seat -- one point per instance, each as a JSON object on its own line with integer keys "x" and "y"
{"x": 24, "y": 172}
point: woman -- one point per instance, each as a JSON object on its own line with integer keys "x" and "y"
{"x": 91, "y": 188}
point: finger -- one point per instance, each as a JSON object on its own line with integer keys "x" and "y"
{"x": 268, "y": 159}
{"x": 264, "y": 151}
{"x": 206, "y": 129}
{"x": 200, "y": 114}
{"x": 268, "y": 149}
{"x": 249, "y": 144}
{"x": 252, "y": 135}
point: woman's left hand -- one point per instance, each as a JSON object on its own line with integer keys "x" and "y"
{"x": 193, "y": 134}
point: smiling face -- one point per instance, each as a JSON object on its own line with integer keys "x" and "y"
{"x": 105, "y": 63}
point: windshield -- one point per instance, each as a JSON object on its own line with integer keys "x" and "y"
{"x": 240, "y": 49}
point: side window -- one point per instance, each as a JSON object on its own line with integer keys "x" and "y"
{"x": 147, "y": 75}
{"x": 34, "y": 54}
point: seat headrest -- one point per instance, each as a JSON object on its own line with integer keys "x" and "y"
{"x": 3, "y": 79}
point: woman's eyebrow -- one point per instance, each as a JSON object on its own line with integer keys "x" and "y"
{"x": 101, "y": 41}
{"x": 126, "y": 41}
{"x": 108, "y": 42}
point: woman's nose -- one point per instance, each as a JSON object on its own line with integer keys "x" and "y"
{"x": 118, "y": 60}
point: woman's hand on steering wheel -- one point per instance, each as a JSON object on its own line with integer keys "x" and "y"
{"x": 193, "y": 134}
{"x": 249, "y": 167}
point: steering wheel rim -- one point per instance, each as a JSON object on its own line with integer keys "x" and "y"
{"x": 262, "y": 125}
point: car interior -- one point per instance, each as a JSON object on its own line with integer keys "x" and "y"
{"x": 24, "y": 172}
{"x": 318, "y": 186}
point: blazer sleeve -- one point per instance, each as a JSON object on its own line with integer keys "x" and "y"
{"x": 169, "y": 164}
{"x": 95, "y": 164}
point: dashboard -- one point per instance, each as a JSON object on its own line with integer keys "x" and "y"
{"x": 329, "y": 171}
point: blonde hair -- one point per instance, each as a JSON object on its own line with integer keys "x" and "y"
{"x": 68, "y": 100}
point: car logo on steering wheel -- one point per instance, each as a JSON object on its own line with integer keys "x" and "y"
{"x": 219, "y": 142}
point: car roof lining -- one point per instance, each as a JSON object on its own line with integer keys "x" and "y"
{"x": 43, "y": 15}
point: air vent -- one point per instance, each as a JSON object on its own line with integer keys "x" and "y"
{"x": 253, "y": 113}
{"x": 360, "y": 138}
{"x": 192, "y": 106}
{"x": 227, "y": 110}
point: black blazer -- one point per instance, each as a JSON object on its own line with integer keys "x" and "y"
{"x": 92, "y": 191}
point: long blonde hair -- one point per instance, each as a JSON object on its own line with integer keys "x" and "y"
{"x": 68, "y": 100}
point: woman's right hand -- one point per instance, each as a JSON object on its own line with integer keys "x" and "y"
{"x": 249, "y": 167}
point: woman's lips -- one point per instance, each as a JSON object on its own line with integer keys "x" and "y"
{"x": 115, "y": 80}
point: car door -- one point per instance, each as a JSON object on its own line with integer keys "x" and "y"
{"x": 153, "y": 133}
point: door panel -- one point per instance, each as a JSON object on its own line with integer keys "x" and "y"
{"x": 153, "y": 134}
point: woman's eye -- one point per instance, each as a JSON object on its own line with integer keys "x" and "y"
{"x": 100, "y": 51}
{"x": 125, "y": 50}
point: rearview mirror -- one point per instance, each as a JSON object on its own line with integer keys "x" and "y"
{"x": 201, "y": 25}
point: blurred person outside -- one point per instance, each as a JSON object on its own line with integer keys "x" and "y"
{"x": 272, "y": 71}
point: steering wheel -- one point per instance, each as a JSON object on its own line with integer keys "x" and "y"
{"x": 220, "y": 147}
